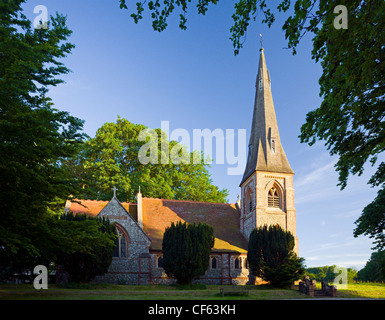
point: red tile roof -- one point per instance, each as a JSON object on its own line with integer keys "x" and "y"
{"x": 224, "y": 218}
{"x": 93, "y": 207}
{"x": 159, "y": 213}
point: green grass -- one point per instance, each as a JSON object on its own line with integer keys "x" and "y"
{"x": 159, "y": 292}
{"x": 363, "y": 290}
{"x": 124, "y": 292}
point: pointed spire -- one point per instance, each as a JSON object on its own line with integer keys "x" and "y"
{"x": 265, "y": 150}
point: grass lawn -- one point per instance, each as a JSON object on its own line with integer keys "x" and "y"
{"x": 124, "y": 292}
{"x": 158, "y": 292}
{"x": 363, "y": 290}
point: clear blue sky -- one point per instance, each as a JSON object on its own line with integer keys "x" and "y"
{"x": 193, "y": 80}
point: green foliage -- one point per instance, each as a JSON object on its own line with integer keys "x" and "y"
{"x": 245, "y": 10}
{"x": 271, "y": 257}
{"x": 186, "y": 250}
{"x": 351, "y": 117}
{"x": 372, "y": 220}
{"x": 326, "y": 273}
{"x": 86, "y": 246}
{"x": 374, "y": 269}
{"x": 34, "y": 136}
{"x": 160, "y": 12}
{"x": 111, "y": 159}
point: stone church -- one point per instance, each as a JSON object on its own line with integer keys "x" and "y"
{"x": 267, "y": 197}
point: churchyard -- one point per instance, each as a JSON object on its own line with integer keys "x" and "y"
{"x": 158, "y": 292}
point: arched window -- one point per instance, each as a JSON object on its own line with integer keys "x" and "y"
{"x": 237, "y": 263}
{"x": 249, "y": 201}
{"x": 121, "y": 244}
{"x": 160, "y": 261}
{"x": 273, "y": 198}
{"x": 214, "y": 263}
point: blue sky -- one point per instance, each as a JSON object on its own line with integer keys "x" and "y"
{"x": 193, "y": 80}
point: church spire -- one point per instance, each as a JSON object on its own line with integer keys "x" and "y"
{"x": 265, "y": 150}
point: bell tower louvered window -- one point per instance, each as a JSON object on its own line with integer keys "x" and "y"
{"x": 273, "y": 198}
{"x": 249, "y": 201}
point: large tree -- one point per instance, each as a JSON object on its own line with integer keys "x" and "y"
{"x": 374, "y": 269}
{"x": 350, "y": 118}
{"x": 35, "y": 137}
{"x": 85, "y": 246}
{"x": 112, "y": 158}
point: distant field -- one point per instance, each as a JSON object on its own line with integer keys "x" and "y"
{"x": 123, "y": 292}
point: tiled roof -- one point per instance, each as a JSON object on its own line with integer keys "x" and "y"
{"x": 93, "y": 207}
{"x": 224, "y": 218}
{"x": 159, "y": 213}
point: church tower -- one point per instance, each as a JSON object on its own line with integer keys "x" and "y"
{"x": 267, "y": 183}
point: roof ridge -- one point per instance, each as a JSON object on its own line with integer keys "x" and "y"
{"x": 192, "y": 201}
{"x": 76, "y": 199}
{"x": 73, "y": 200}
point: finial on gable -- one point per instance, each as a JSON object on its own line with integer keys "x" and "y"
{"x": 114, "y": 189}
{"x": 238, "y": 203}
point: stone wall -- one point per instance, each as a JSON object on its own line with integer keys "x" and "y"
{"x": 139, "y": 266}
{"x": 224, "y": 273}
{"x": 258, "y": 185}
{"x": 135, "y": 268}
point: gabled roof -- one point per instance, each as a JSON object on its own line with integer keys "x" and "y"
{"x": 224, "y": 218}
{"x": 93, "y": 207}
{"x": 264, "y": 128}
{"x": 158, "y": 214}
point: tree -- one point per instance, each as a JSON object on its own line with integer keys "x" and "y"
{"x": 326, "y": 273}
{"x": 111, "y": 159}
{"x": 86, "y": 246}
{"x": 35, "y": 137}
{"x": 374, "y": 269}
{"x": 351, "y": 116}
{"x": 271, "y": 256}
{"x": 372, "y": 220}
{"x": 186, "y": 250}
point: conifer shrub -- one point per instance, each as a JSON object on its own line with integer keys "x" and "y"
{"x": 271, "y": 256}
{"x": 186, "y": 250}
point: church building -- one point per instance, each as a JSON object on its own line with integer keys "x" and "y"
{"x": 267, "y": 197}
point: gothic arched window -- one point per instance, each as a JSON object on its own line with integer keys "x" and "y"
{"x": 237, "y": 263}
{"x": 160, "y": 261}
{"x": 214, "y": 263}
{"x": 273, "y": 198}
{"x": 121, "y": 244}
